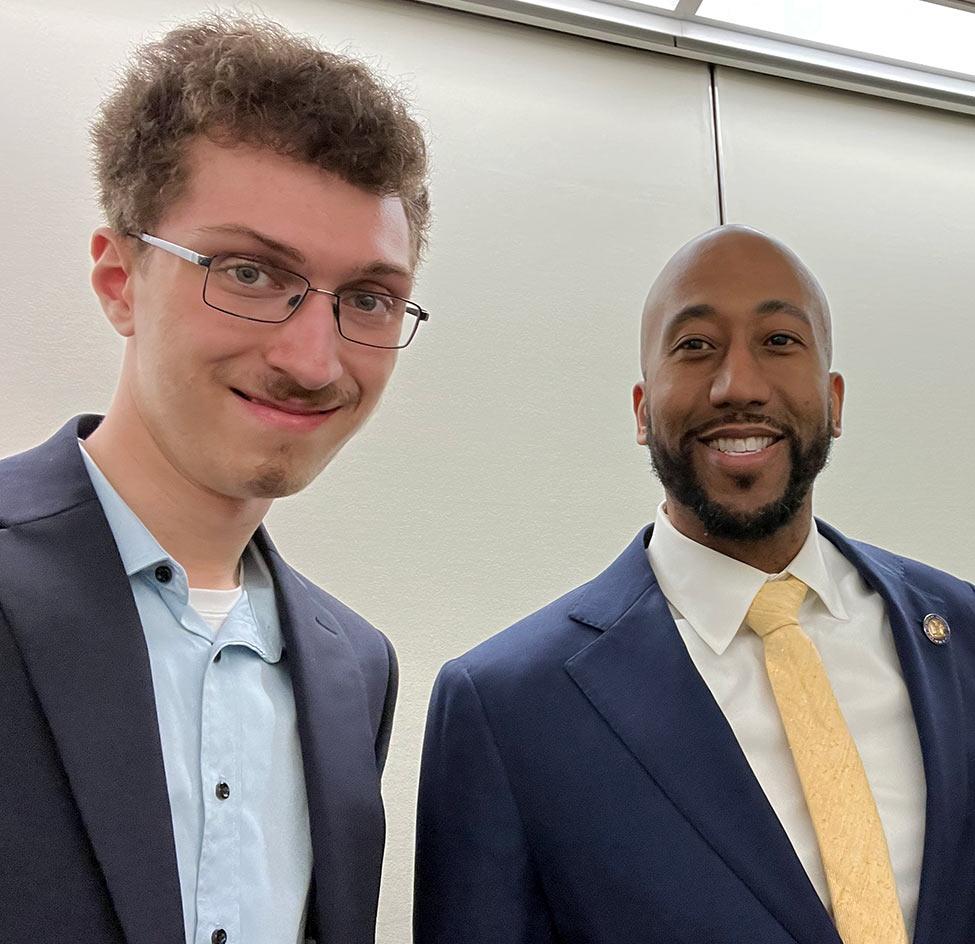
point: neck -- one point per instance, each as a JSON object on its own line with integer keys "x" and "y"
{"x": 770, "y": 554}
{"x": 204, "y": 531}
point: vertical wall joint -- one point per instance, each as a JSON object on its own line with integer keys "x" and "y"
{"x": 716, "y": 139}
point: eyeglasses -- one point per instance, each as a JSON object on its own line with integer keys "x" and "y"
{"x": 254, "y": 290}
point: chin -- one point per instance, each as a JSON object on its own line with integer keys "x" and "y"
{"x": 278, "y": 478}
{"x": 274, "y": 483}
{"x": 751, "y": 523}
{"x": 745, "y": 505}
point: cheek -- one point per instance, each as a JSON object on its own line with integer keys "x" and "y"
{"x": 185, "y": 343}
{"x": 669, "y": 405}
{"x": 371, "y": 372}
{"x": 810, "y": 406}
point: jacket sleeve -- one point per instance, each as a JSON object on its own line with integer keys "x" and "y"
{"x": 476, "y": 882}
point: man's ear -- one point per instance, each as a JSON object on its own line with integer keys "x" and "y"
{"x": 640, "y": 412}
{"x": 836, "y": 391}
{"x": 111, "y": 274}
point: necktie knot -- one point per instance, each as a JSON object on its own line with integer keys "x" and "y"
{"x": 776, "y": 605}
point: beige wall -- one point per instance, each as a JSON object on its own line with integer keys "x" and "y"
{"x": 501, "y": 470}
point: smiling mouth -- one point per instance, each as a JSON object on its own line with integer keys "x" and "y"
{"x": 740, "y": 446}
{"x": 291, "y": 408}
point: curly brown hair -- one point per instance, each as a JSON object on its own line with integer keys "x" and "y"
{"x": 246, "y": 81}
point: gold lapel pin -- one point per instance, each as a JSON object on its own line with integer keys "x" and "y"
{"x": 936, "y": 628}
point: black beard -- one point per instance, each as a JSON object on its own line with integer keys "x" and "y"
{"x": 680, "y": 480}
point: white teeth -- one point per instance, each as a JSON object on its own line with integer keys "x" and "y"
{"x": 751, "y": 444}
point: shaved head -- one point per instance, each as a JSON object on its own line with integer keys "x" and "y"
{"x": 741, "y": 252}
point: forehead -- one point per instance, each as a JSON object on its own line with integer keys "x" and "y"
{"x": 734, "y": 279}
{"x": 332, "y": 222}
{"x": 734, "y": 274}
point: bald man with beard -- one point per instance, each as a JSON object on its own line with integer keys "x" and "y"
{"x": 749, "y": 728}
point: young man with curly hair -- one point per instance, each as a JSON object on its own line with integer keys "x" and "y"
{"x": 193, "y": 733}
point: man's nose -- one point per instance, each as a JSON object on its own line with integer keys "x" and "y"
{"x": 308, "y": 345}
{"x": 740, "y": 382}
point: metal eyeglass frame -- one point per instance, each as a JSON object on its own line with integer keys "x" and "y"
{"x": 199, "y": 259}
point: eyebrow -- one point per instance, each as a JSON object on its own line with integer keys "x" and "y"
{"x": 375, "y": 269}
{"x": 689, "y": 313}
{"x": 378, "y": 269}
{"x": 775, "y": 306}
{"x": 274, "y": 245}
{"x": 770, "y": 307}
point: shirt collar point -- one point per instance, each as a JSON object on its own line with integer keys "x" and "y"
{"x": 837, "y": 610}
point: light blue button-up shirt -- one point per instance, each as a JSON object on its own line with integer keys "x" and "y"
{"x": 230, "y": 744}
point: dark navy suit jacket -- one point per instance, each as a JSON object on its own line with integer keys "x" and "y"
{"x": 86, "y": 841}
{"x": 581, "y": 785}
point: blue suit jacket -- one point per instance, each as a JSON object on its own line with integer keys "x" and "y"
{"x": 580, "y": 784}
{"x": 86, "y": 840}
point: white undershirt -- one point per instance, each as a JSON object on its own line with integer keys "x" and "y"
{"x": 214, "y": 605}
{"x": 709, "y": 595}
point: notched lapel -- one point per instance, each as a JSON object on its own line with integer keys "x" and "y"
{"x": 931, "y": 674}
{"x": 70, "y": 606}
{"x": 337, "y": 745}
{"x": 640, "y": 678}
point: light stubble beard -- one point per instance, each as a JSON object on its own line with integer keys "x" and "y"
{"x": 273, "y": 479}
{"x": 284, "y": 474}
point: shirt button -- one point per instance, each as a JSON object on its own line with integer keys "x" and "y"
{"x": 219, "y": 936}
{"x": 223, "y": 791}
{"x": 164, "y": 574}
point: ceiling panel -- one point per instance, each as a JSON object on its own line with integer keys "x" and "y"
{"x": 913, "y": 31}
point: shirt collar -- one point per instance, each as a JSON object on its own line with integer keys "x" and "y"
{"x": 137, "y": 547}
{"x": 253, "y": 621}
{"x": 713, "y": 591}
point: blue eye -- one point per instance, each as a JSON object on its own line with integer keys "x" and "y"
{"x": 361, "y": 302}
{"x": 246, "y": 274}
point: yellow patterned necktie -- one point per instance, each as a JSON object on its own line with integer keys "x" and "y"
{"x": 851, "y": 837}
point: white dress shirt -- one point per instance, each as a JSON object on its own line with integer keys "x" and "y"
{"x": 709, "y": 595}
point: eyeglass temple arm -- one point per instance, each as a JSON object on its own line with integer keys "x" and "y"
{"x": 180, "y": 251}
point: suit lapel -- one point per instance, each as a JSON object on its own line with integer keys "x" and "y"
{"x": 68, "y": 601}
{"x": 337, "y": 744}
{"x": 640, "y": 678}
{"x": 931, "y": 676}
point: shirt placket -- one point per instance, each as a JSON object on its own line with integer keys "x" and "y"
{"x": 218, "y": 884}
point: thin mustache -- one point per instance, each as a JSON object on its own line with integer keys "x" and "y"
{"x": 328, "y": 398}
{"x": 735, "y": 419}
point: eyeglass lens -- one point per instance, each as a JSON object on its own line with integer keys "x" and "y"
{"x": 261, "y": 292}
